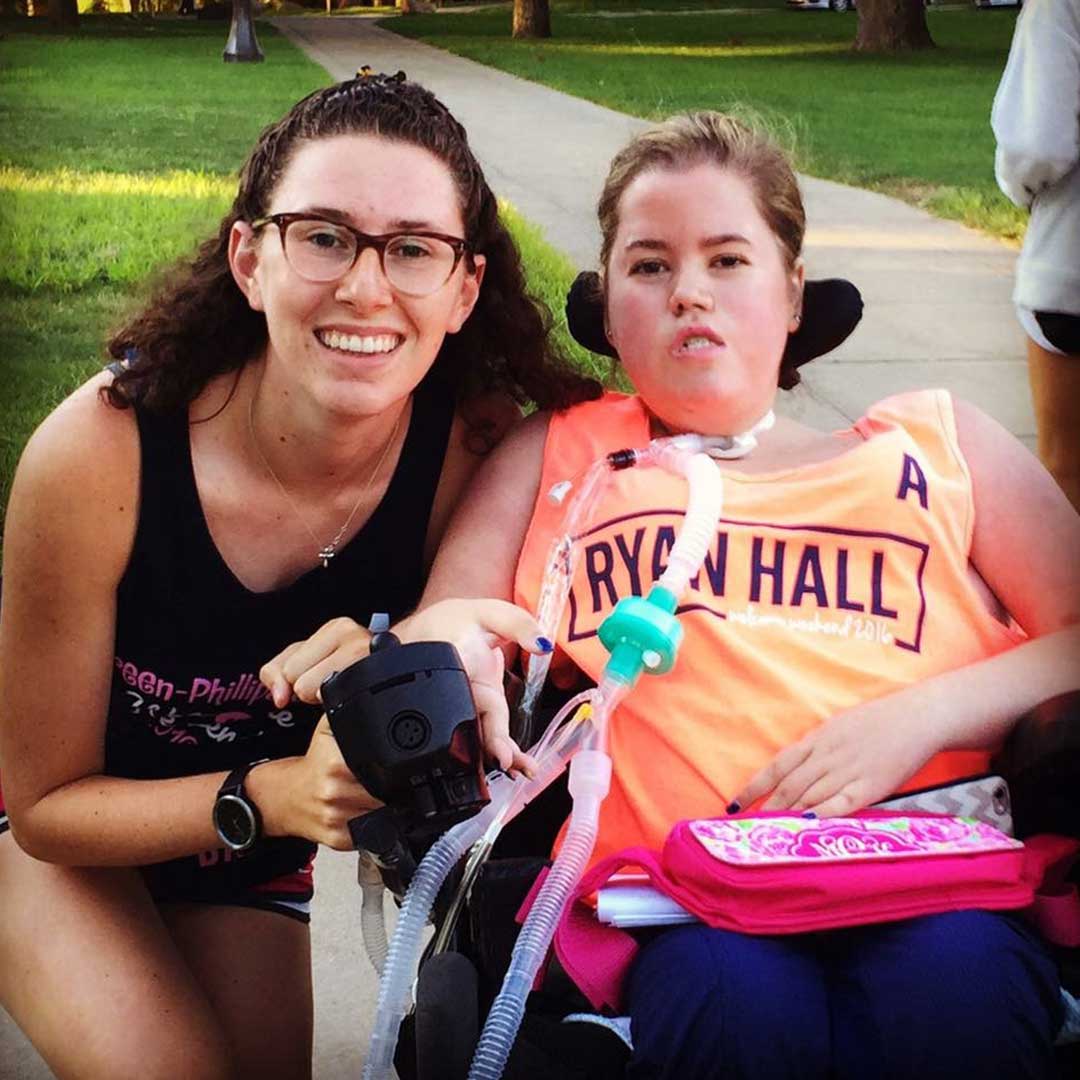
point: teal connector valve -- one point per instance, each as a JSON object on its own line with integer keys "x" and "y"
{"x": 642, "y": 634}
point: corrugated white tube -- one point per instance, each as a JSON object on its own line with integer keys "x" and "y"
{"x": 703, "y": 508}
{"x": 372, "y": 920}
{"x": 403, "y": 954}
{"x": 552, "y": 754}
{"x": 590, "y": 777}
{"x": 508, "y": 798}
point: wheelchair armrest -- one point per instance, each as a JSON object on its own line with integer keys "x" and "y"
{"x": 1041, "y": 762}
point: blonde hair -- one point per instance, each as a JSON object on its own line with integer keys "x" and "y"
{"x": 682, "y": 142}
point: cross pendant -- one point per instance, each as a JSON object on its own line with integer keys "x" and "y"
{"x": 326, "y": 554}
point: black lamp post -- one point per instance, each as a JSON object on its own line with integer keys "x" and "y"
{"x": 242, "y": 46}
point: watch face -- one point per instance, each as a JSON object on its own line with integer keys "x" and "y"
{"x": 234, "y": 821}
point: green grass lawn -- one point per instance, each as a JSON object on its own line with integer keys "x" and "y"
{"x": 624, "y": 7}
{"x": 117, "y": 149}
{"x": 916, "y": 126}
{"x": 118, "y": 154}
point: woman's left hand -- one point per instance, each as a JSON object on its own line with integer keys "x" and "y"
{"x": 859, "y": 757}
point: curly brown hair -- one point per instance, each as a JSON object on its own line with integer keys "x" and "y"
{"x": 199, "y": 325}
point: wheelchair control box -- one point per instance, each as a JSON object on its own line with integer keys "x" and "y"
{"x": 406, "y": 723}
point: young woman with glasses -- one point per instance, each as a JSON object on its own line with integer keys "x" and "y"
{"x": 299, "y": 410}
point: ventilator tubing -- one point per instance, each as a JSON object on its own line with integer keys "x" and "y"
{"x": 508, "y": 797}
{"x": 698, "y": 533}
{"x": 673, "y": 453}
{"x": 559, "y": 570}
{"x": 401, "y": 959}
{"x": 372, "y": 921}
{"x": 590, "y": 778}
{"x": 559, "y": 744}
{"x": 589, "y": 781}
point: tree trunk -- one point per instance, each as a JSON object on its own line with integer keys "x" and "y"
{"x": 242, "y": 46}
{"x": 532, "y": 19}
{"x": 64, "y": 14}
{"x": 892, "y": 26}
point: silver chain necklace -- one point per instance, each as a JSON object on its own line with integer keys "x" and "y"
{"x": 325, "y": 551}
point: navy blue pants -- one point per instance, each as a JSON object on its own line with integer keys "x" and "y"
{"x": 966, "y": 994}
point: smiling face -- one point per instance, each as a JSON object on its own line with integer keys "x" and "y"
{"x": 700, "y": 298}
{"x": 355, "y": 346}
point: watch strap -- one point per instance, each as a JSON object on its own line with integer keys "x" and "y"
{"x": 233, "y": 786}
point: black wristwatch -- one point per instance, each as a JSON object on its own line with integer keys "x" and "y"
{"x": 236, "y": 817}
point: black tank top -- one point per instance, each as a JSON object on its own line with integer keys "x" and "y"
{"x": 190, "y": 639}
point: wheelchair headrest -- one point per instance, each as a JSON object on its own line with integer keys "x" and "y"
{"x": 831, "y": 310}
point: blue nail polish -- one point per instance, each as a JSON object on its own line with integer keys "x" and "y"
{"x": 544, "y": 644}
{"x": 734, "y": 807}
{"x": 810, "y": 815}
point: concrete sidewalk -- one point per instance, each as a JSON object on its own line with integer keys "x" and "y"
{"x": 937, "y": 314}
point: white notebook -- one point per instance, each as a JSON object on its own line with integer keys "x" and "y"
{"x": 627, "y": 901}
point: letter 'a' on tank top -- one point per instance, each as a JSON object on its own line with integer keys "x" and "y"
{"x": 190, "y": 638}
{"x": 827, "y": 585}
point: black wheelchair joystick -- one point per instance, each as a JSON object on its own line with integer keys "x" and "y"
{"x": 381, "y": 637}
{"x": 406, "y": 723}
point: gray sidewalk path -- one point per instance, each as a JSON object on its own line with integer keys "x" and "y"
{"x": 938, "y": 311}
{"x": 937, "y": 314}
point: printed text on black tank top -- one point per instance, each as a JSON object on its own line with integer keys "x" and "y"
{"x": 205, "y": 710}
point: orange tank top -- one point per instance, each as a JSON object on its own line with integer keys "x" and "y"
{"x": 827, "y": 585}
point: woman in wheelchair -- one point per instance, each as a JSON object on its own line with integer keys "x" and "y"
{"x": 879, "y": 606}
